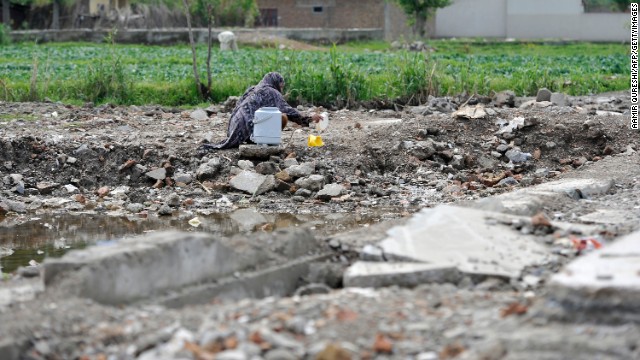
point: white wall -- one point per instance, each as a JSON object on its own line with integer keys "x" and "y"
{"x": 472, "y": 18}
{"x": 527, "y": 19}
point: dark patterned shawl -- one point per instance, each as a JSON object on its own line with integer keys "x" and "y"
{"x": 266, "y": 93}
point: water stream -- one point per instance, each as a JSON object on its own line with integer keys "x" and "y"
{"x": 28, "y": 239}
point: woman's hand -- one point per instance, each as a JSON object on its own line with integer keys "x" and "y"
{"x": 316, "y": 117}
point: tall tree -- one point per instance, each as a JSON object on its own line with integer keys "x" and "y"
{"x": 6, "y": 16}
{"x": 419, "y": 11}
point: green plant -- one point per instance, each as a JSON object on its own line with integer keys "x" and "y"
{"x": 107, "y": 78}
{"x": 5, "y": 38}
{"x": 419, "y": 11}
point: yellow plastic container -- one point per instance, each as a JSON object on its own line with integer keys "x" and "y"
{"x": 315, "y": 141}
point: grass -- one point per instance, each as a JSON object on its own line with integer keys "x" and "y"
{"x": 342, "y": 76}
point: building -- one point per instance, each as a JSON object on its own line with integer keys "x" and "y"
{"x": 334, "y": 14}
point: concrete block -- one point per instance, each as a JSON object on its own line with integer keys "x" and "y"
{"x": 251, "y": 151}
{"x": 605, "y": 279}
{"x": 140, "y": 267}
{"x": 380, "y": 274}
{"x": 463, "y": 238}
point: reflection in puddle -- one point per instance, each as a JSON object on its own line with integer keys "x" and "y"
{"x": 36, "y": 238}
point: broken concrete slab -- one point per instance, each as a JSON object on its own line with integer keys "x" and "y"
{"x": 407, "y": 274}
{"x": 157, "y": 174}
{"x": 261, "y": 152}
{"x": 577, "y": 188}
{"x": 330, "y": 191}
{"x": 603, "y": 280}
{"x": 138, "y": 268}
{"x": 608, "y": 216}
{"x": 279, "y": 280}
{"x": 462, "y": 237}
{"x": 253, "y": 183}
{"x": 529, "y": 201}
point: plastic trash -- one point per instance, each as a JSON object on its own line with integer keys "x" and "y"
{"x": 315, "y": 141}
{"x": 324, "y": 122}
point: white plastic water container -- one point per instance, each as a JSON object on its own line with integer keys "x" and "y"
{"x": 267, "y": 126}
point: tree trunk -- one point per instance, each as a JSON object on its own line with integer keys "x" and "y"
{"x": 419, "y": 26}
{"x": 55, "y": 22}
{"x": 6, "y": 15}
{"x": 193, "y": 48}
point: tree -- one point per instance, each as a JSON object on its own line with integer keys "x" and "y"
{"x": 418, "y": 11}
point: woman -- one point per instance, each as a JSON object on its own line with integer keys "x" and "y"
{"x": 267, "y": 93}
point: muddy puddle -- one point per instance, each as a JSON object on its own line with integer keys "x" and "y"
{"x": 25, "y": 240}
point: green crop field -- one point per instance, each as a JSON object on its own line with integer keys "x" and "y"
{"x": 343, "y": 75}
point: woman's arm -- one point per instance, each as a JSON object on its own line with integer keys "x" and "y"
{"x": 293, "y": 114}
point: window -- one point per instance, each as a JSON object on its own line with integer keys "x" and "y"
{"x": 317, "y": 9}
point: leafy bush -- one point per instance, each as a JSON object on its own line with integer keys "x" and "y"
{"x": 5, "y": 38}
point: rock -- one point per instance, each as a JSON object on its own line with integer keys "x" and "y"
{"x": 420, "y": 110}
{"x": 469, "y": 112}
{"x": 279, "y": 354}
{"x": 282, "y": 186}
{"x": 381, "y": 274}
{"x": 558, "y": 99}
{"x": 423, "y": 150}
{"x": 135, "y": 207}
{"x": 46, "y": 187}
{"x": 527, "y": 104}
{"x": 505, "y": 98}
{"x": 330, "y": 191}
{"x": 283, "y": 176}
{"x": 137, "y": 171}
{"x": 457, "y": 162}
{"x": 245, "y": 165}
{"x": 165, "y": 210}
{"x": 312, "y": 182}
{"x": 209, "y": 170}
{"x": 71, "y": 189}
{"x": 517, "y": 156}
{"x": 508, "y": 181}
{"x": 251, "y": 151}
{"x": 184, "y": 178}
{"x": 302, "y": 170}
{"x": 486, "y": 162}
{"x": 29, "y": 271}
{"x": 543, "y": 95}
{"x": 326, "y": 273}
{"x": 253, "y": 183}
{"x": 502, "y": 148}
{"x": 173, "y": 200}
{"x": 103, "y": 191}
{"x": 267, "y": 168}
{"x": 288, "y": 162}
{"x": 157, "y": 174}
{"x": 312, "y": 289}
{"x": 371, "y": 253}
{"x": 199, "y": 115}
{"x": 231, "y": 355}
{"x": 302, "y": 193}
